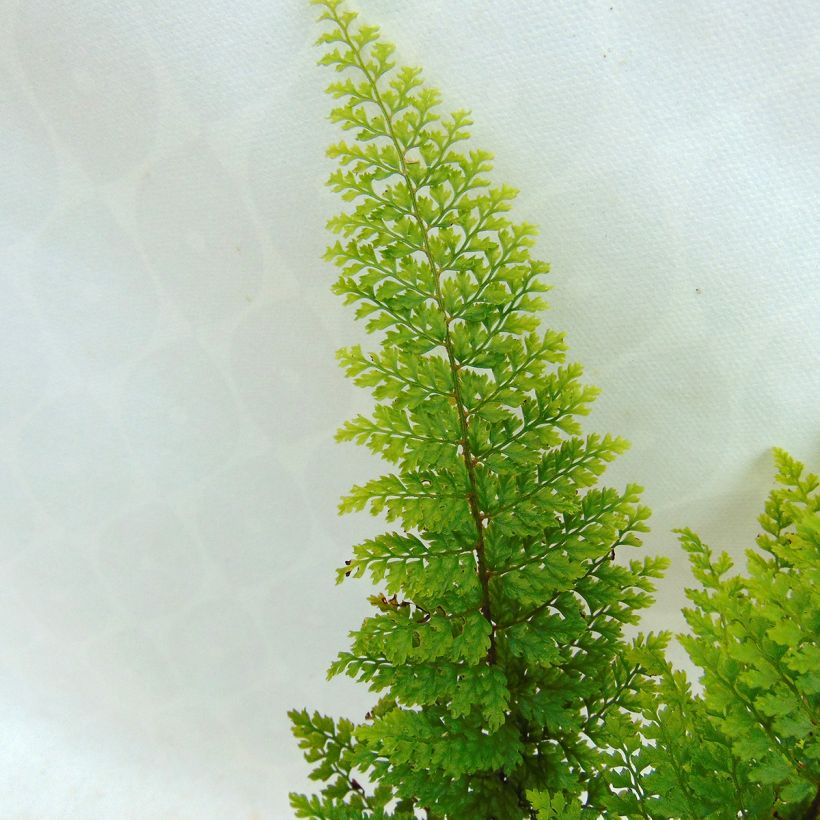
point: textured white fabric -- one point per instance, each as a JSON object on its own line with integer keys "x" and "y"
{"x": 168, "y": 390}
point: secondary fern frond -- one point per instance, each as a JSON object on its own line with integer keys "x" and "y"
{"x": 748, "y": 745}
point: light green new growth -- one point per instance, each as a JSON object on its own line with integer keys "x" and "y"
{"x": 497, "y": 645}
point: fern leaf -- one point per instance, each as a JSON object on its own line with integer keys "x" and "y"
{"x": 499, "y": 635}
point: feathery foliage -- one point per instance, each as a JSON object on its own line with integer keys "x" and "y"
{"x": 748, "y": 746}
{"x": 497, "y": 646}
{"x": 506, "y": 686}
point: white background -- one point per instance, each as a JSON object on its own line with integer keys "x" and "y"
{"x": 168, "y": 389}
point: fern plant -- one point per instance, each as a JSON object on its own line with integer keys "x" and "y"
{"x": 497, "y": 645}
{"x": 748, "y": 746}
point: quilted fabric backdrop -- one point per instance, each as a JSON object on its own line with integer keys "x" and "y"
{"x": 168, "y": 389}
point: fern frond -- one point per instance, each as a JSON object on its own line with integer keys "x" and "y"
{"x": 499, "y": 638}
{"x": 748, "y": 745}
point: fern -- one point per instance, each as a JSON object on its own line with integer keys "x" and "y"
{"x": 497, "y": 645}
{"x": 748, "y": 746}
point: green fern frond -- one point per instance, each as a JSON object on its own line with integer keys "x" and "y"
{"x": 749, "y": 745}
{"x": 499, "y": 637}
